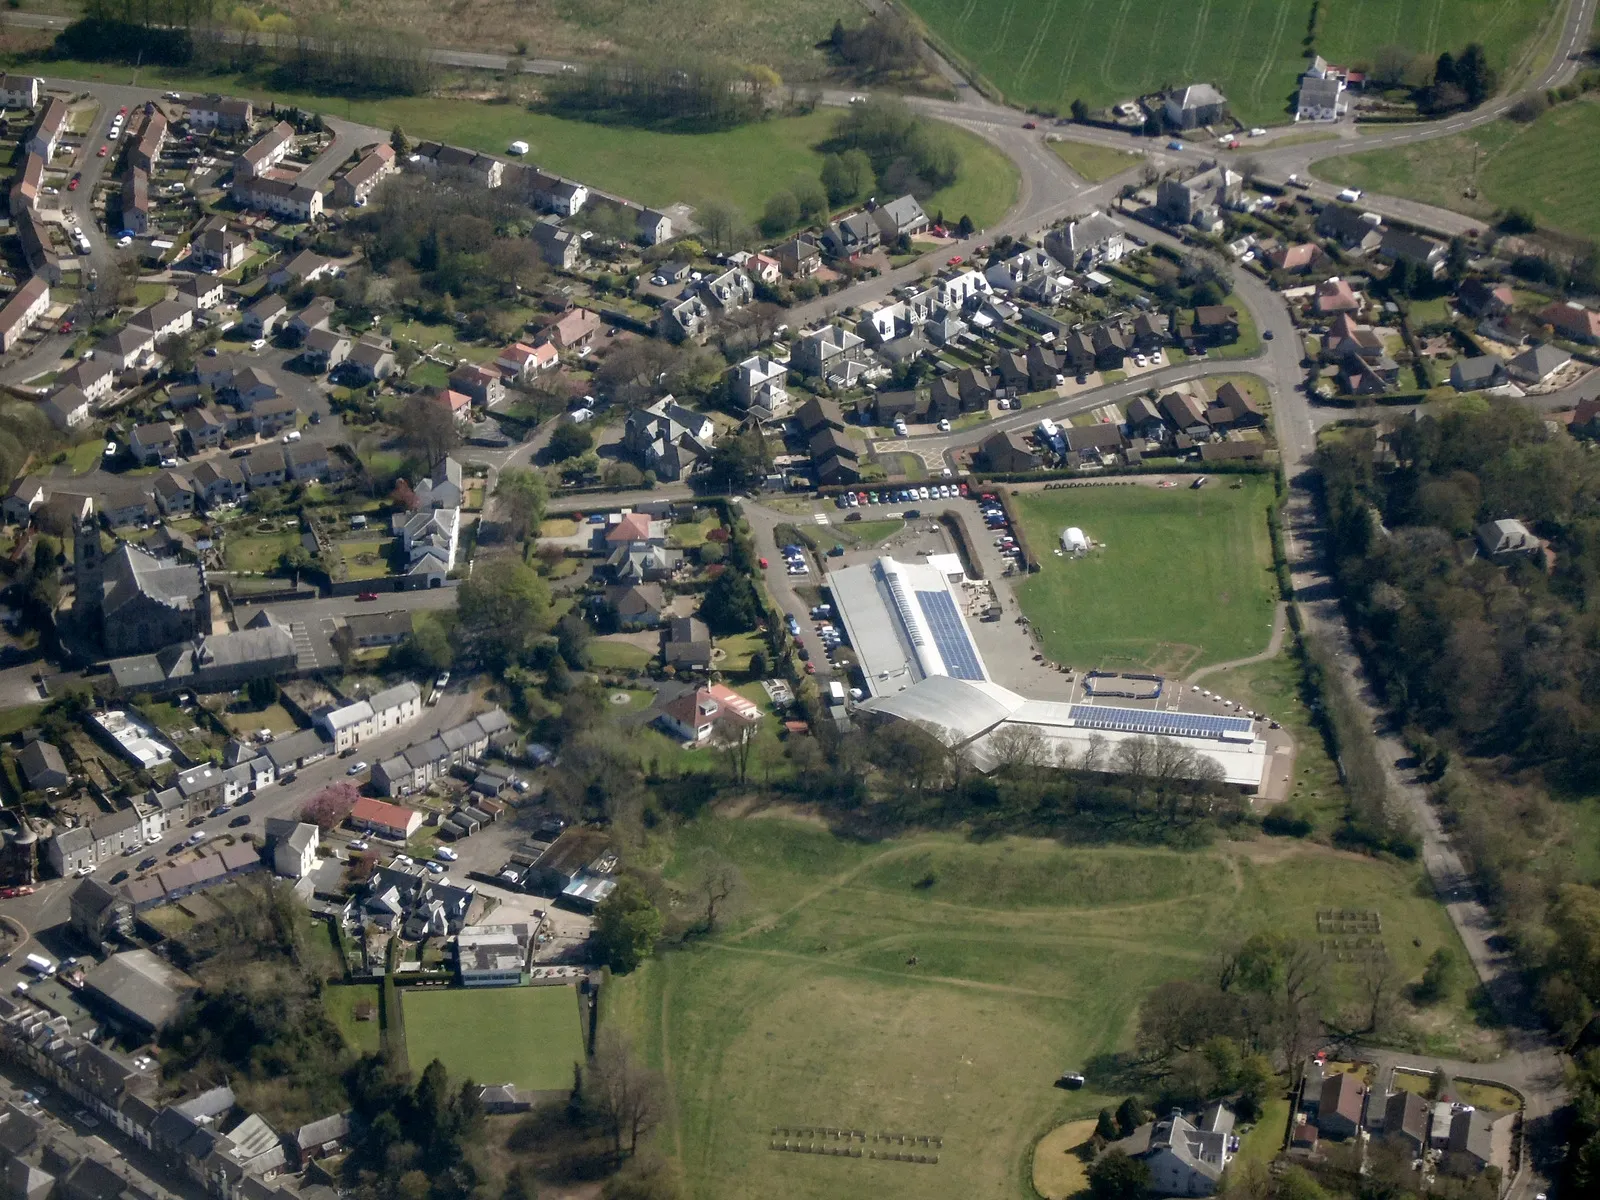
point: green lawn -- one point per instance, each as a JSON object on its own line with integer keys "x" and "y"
{"x": 363, "y": 1037}
{"x": 854, "y": 993}
{"x": 1095, "y": 163}
{"x": 1249, "y": 343}
{"x": 257, "y": 551}
{"x": 741, "y": 167}
{"x": 367, "y": 560}
{"x": 851, "y": 535}
{"x": 1048, "y": 54}
{"x": 85, "y": 456}
{"x": 1263, "y": 1142}
{"x": 737, "y": 649}
{"x": 1546, "y": 167}
{"x": 618, "y": 656}
{"x": 529, "y": 1036}
{"x": 1184, "y": 577}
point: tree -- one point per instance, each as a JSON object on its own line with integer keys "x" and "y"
{"x": 739, "y": 462}
{"x": 965, "y": 227}
{"x": 1439, "y": 1084}
{"x": 836, "y": 180}
{"x": 1256, "y": 1078}
{"x": 262, "y": 691}
{"x": 644, "y": 1177}
{"x": 858, "y": 171}
{"x": 781, "y": 214}
{"x": 1379, "y": 984}
{"x": 399, "y": 143}
{"x": 523, "y": 495}
{"x": 427, "y": 428}
{"x": 328, "y": 808}
{"x": 1436, "y": 977}
{"x": 403, "y": 497}
{"x": 1080, "y": 111}
{"x": 622, "y": 476}
{"x": 1130, "y": 1115}
{"x": 1105, "y": 1126}
{"x": 718, "y": 887}
{"x": 569, "y": 440}
{"x": 731, "y": 604}
{"x": 502, "y": 608}
{"x": 719, "y": 223}
{"x": 627, "y": 925}
{"x": 1115, "y": 1176}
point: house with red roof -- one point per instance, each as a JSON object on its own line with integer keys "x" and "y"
{"x": 387, "y": 820}
{"x": 459, "y": 404}
{"x": 1337, "y": 296}
{"x": 700, "y": 713}
{"x": 1572, "y": 320}
{"x": 522, "y": 360}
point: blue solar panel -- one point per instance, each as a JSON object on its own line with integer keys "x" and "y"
{"x": 1148, "y": 720}
{"x": 950, "y": 635}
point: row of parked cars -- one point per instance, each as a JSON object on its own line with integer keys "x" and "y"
{"x": 994, "y": 518}
{"x": 909, "y": 495}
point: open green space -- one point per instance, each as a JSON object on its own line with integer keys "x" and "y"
{"x": 741, "y": 167}
{"x": 935, "y": 986}
{"x": 529, "y": 1036}
{"x": 340, "y": 1003}
{"x": 1046, "y": 55}
{"x": 257, "y": 551}
{"x": 1183, "y": 577}
{"x": 1546, "y": 167}
{"x": 618, "y": 656}
{"x": 366, "y": 560}
{"x": 1095, "y": 163}
{"x": 1248, "y": 344}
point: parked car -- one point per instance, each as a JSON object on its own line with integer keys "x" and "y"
{"x": 357, "y": 767}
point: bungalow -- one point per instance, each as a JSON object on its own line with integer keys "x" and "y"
{"x": 386, "y": 820}
{"x": 763, "y": 267}
{"x": 698, "y": 713}
{"x": 368, "y": 630}
{"x": 1184, "y": 413}
{"x": 1479, "y": 298}
{"x": 1405, "y": 1122}
{"x": 1479, "y": 1139}
{"x": 1232, "y": 451}
{"x": 819, "y": 413}
{"x": 67, "y": 408}
{"x": 1300, "y": 257}
{"x": 355, "y": 187}
{"x": 1098, "y": 443}
{"x": 637, "y": 606}
{"x": 1425, "y": 253}
{"x": 1572, "y": 320}
{"x": 574, "y": 330}
{"x": 22, "y": 309}
{"x": 1144, "y": 420}
{"x": 1356, "y": 231}
{"x": 1216, "y": 324}
{"x": 1335, "y": 296}
{"x": 1234, "y": 408}
{"x": 686, "y": 645}
{"x": 1478, "y": 374}
{"x": 1538, "y": 364}
{"x": 42, "y": 766}
{"x": 264, "y": 153}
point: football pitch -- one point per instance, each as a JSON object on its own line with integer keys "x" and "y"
{"x": 528, "y": 1036}
{"x": 1047, "y": 53}
{"x": 1183, "y": 578}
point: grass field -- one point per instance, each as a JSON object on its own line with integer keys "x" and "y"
{"x": 619, "y": 656}
{"x": 1103, "y": 52}
{"x": 1029, "y": 959}
{"x": 741, "y": 167}
{"x": 529, "y": 1036}
{"x": 363, "y": 1037}
{"x": 1184, "y": 577}
{"x": 1058, "y": 1171}
{"x": 257, "y": 552}
{"x": 1095, "y": 163}
{"x": 1545, "y": 167}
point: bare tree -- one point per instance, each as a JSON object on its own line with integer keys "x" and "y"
{"x": 427, "y": 428}
{"x": 1018, "y": 748}
{"x": 738, "y": 748}
{"x": 719, "y": 887}
{"x": 628, "y": 1096}
{"x": 1380, "y": 983}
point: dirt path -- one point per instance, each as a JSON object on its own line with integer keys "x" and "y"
{"x": 1280, "y": 624}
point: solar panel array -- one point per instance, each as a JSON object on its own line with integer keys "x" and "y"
{"x": 1154, "y": 721}
{"x": 950, "y": 635}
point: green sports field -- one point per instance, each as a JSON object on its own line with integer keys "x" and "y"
{"x": 1046, "y": 53}
{"x": 1547, "y": 167}
{"x": 1029, "y": 959}
{"x": 1184, "y": 578}
{"x": 529, "y": 1036}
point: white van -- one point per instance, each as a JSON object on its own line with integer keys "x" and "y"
{"x": 40, "y": 965}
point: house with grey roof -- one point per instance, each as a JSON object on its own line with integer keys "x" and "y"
{"x": 1425, "y": 253}
{"x": 1506, "y": 536}
{"x": 901, "y": 217}
{"x": 1195, "y": 105}
{"x": 1184, "y": 1158}
{"x": 1087, "y": 242}
{"x": 42, "y": 766}
{"x": 1477, "y": 374}
{"x": 852, "y": 235}
{"x": 1350, "y": 228}
{"x": 1538, "y": 364}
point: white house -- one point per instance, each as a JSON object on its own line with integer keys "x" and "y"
{"x": 24, "y": 307}
{"x": 349, "y": 724}
{"x": 20, "y": 91}
{"x": 430, "y": 539}
{"x": 295, "y": 854}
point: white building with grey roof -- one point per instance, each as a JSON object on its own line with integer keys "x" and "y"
{"x": 348, "y": 725}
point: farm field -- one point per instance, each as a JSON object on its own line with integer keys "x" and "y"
{"x": 1184, "y": 578}
{"x": 741, "y": 167}
{"x": 1545, "y": 167}
{"x": 855, "y": 993}
{"x": 529, "y": 1036}
{"x": 1049, "y": 53}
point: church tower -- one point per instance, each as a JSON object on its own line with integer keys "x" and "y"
{"x": 88, "y": 568}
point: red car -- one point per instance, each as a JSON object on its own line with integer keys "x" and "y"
{"x": 367, "y": 596}
{"x": 66, "y": 327}
{"x": 101, "y": 153}
{"x": 763, "y": 563}
{"x": 12, "y": 892}
{"x": 956, "y": 260}
{"x": 811, "y": 668}
{"x": 123, "y": 110}
{"x": 72, "y": 184}
{"x": 964, "y": 489}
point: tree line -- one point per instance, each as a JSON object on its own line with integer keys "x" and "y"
{"x": 685, "y": 94}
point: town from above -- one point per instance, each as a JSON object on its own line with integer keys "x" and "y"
{"x": 696, "y": 600}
